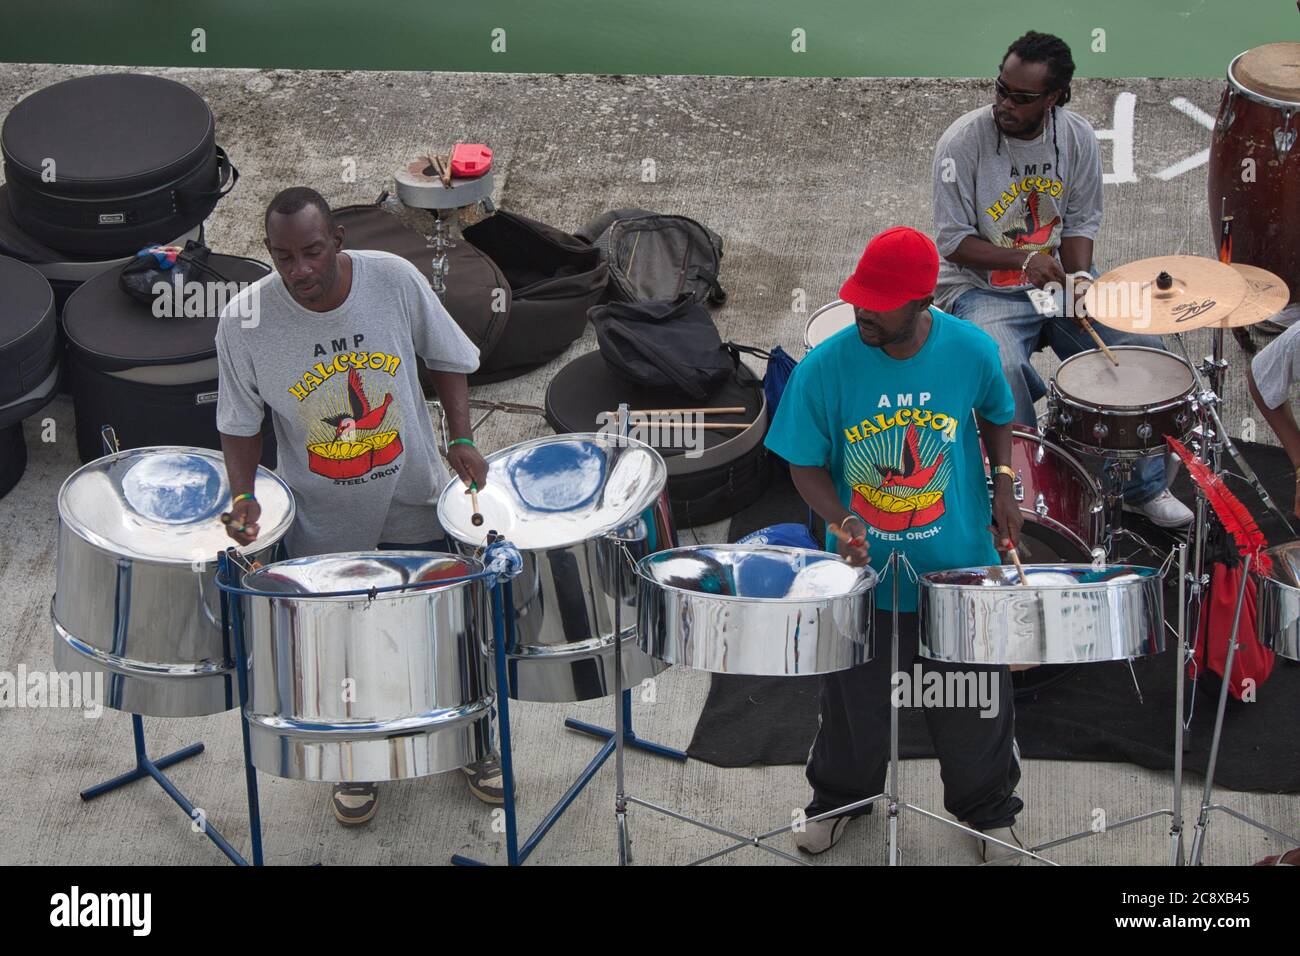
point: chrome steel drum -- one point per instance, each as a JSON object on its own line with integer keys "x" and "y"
{"x": 826, "y": 321}
{"x": 555, "y": 499}
{"x": 1125, "y": 410}
{"x": 1064, "y": 614}
{"x": 1278, "y": 601}
{"x": 137, "y": 599}
{"x": 354, "y": 688}
{"x": 755, "y": 609}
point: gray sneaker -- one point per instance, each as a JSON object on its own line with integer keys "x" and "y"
{"x": 994, "y": 855}
{"x": 820, "y": 835}
{"x": 487, "y": 781}
{"x": 355, "y": 803}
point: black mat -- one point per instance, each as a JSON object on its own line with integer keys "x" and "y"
{"x": 1094, "y": 714}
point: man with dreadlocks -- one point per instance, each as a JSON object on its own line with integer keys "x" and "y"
{"x": 1017, "y": 207}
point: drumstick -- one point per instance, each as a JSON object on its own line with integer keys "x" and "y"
{"x": 446, "y": 176}
{"x": 476, "y": 519}
{"x": 1087, "y": 327}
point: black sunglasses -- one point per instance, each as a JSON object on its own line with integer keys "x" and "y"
{"x": 1005, "y": 92}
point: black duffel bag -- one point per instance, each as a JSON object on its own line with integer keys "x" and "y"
{"x": 553, "y": 277}
{"x": 663, "y": 344}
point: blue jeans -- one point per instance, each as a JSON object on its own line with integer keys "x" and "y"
{"x": 1013, "y": 322}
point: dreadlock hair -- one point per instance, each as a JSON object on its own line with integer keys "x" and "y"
{"x": 1035, "y": 47}
{"x": 295, "y": 198}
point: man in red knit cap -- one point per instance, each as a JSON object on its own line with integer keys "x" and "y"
{"x": 881, "y": 424}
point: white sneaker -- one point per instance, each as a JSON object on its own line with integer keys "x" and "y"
{"x": 820, "y": 835}
{"x": 995, "y": 855}
{"x": 1163, "y": 510}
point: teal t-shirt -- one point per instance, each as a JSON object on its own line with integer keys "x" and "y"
{"x": 900, "y": 441}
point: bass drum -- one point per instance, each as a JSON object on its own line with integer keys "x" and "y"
{"x": 1065, "y": 523}
{"x": 1259, "y": 121}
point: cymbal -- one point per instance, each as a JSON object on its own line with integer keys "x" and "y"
{"x": 1166, "y": 294}
{"x": 1266, "y": 296}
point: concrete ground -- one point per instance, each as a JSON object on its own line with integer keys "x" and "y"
{"x": 795, "y": 174}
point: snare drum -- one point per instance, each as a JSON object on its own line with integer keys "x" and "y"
{"x": 1121, "y": 411}
{"x": 826, "y": 321}
{"x": 1065, "y": 517}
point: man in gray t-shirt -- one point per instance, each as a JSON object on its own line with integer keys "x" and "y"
{"x": 331, "y": 343}
{"x": 1272, "y": 375}
{"x": 1017, "y": 206}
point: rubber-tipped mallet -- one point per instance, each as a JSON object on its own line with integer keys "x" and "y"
{"x": 476, "y": 519}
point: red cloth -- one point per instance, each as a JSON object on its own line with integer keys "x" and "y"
{"x": 1253, "y": 661}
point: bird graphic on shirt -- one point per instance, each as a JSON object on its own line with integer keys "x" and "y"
{"x": 1034, "y": 233}
{"x": 911, "y": 475}
{"x": 362, "y": 415}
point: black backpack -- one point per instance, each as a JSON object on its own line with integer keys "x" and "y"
{"x": 663, "y": 344}
{"x": 657, "y": 257}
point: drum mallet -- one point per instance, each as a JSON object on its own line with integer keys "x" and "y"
{"x": 476, "y": 519}
{"x": 844, "y": 535}
{"x": 1020, "y": 569}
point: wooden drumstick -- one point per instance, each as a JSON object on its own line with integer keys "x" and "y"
{"x": 1087, "y": 327}
{"x": 476, "y": 519}
{"x": 446, "y": 176}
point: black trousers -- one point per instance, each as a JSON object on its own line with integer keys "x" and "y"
{"x": 978, "y": 759}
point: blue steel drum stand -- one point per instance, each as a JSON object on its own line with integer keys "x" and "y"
{"x": 501, "y": 562}
{"x": 146, "y": 766}
{"x": 615, "y": 740}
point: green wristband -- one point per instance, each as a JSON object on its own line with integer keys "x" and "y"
{"x": 462, "y": 441}
{"x": 239, "y": 498}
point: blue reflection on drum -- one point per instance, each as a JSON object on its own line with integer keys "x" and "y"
{"x": 559, "y": 477}
{"x": 174, "y": 488}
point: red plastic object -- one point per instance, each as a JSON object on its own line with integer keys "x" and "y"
{"x": 470, "y": 160}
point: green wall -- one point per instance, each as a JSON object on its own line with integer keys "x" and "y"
{"x": 843, "y": 37}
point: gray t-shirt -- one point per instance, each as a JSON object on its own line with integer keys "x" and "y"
{"x": 356, "y": 443}
{"x": 1277, "y": 367}
{"x": 1011, "y": 193}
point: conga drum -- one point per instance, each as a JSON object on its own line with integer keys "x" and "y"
{"x": 1259, "y": 120}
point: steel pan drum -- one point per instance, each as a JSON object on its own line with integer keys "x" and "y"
{"x": 1278, "y": 600}
{"x": 555, "y": 499}
{"x": 755, "y": 609}
{"x": 825, "y": 322}
{"x": 353, "y": 688}
{"x": 1064, "y": 614}
{"x": 137, "y": 599}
